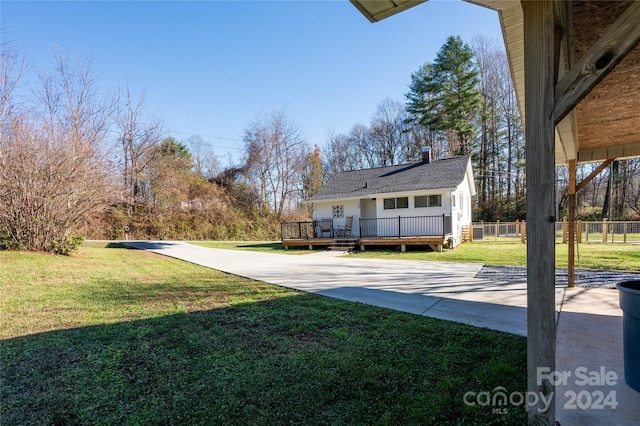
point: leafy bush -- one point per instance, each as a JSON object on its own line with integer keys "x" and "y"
{"x": 69, "y": 244}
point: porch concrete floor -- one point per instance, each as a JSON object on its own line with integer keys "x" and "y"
{"x": 589, "y": 321}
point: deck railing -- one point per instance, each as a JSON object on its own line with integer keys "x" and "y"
{"x": 416, "y": 226}
{"x": 299, "y": 230}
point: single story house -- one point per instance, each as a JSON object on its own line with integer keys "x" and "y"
{"x": 431, "y": 198}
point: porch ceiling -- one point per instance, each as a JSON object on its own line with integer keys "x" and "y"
{"x": 606, "y": 123}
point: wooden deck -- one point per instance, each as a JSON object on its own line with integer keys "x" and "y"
{"x": 435, "y": 242}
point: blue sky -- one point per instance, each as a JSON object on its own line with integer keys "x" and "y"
{"x": 209, "y": 68}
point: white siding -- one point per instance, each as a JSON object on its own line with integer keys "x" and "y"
{"x": 324, "y": 210}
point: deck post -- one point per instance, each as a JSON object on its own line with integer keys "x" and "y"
{"x": 571, "y": 266}
{"x": 539, "y": 48}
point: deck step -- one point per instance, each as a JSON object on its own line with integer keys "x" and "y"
{"x": 343, "y": 245}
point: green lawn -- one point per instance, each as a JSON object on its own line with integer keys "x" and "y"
{"x": 624, "y": 257}
{"x": 118, "y": 336}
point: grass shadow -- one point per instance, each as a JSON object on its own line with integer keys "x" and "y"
{"x": 301, "y": 359}
{"x": 272, "y": 246}
{"x": 118, "y": 245}
{"x": 275, "y": 247}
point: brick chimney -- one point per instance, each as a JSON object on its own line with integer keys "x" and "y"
{"x": 426, "y": 154}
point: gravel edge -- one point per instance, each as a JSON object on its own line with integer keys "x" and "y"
{"x": 585, "y": 278}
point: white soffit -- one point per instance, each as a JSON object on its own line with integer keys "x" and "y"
{"x": 377, "y": 10}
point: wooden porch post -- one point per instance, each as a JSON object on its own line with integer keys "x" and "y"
{"x": 540, "y": 164}
{"x": 572, "y": 224}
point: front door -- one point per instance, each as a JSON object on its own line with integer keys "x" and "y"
{"x": 368, "y": 217}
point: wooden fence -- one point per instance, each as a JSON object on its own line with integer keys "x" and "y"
{"x": 599, "y": 232}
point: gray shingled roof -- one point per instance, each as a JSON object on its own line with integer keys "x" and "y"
{"x": 447, "y": 173}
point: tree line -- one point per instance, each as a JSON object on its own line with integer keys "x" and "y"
{"x": 75, "y": 161}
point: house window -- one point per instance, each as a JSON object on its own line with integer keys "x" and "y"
{"x": 428, "y": 201}
{"x": 338, "y": 212}
{"x": 396, "y": 203}
{"x": 421, "y": 201}
{"x": 453, "y": 200}
{"x": 389, "y": 203}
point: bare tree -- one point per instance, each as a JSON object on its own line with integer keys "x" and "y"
{"x": 390, "y": 139}
{"x": 633, "y": 199}
{"x": 11, "y": 69}
{"x": 138, "y": 142}
{"x": 626, "y": 173}
{"x": 390, "y": 134}
{"x": 274, "y": 157}
{"x": 360, "y": 139}
{"x": 499, "y": 157}
{"x": 53, "y": 168}
{"x": 205, "y": 162}
{"x": 340, "y": 153}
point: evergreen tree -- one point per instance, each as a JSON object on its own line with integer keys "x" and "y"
{"x": 444, "y": 95}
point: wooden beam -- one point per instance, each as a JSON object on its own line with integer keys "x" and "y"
{"x": 540, "y": 170}
{"x": 593, "y": 174}
{"x": 564, "y": 25}
{"x": 598, "y": 61}
{"x": 563, "y": 32}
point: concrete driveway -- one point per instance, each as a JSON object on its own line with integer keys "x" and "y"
{"x": 436, "y": 289}
{"x": 589, "y": 321}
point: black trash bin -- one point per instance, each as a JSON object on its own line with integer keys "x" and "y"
{"x": 630, "y": 305}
